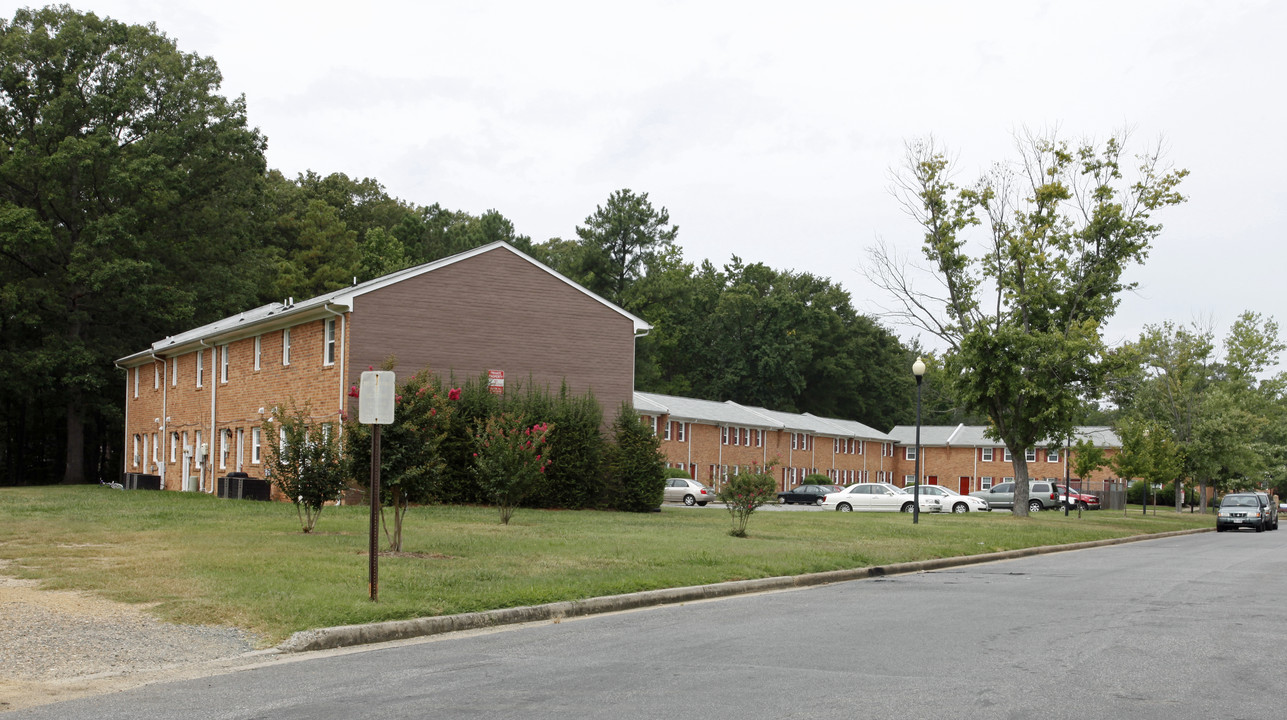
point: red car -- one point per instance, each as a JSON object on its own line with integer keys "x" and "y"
{"x": 1079, "y": 500}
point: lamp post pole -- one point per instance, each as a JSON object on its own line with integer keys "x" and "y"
{"x": 918, "y": 369}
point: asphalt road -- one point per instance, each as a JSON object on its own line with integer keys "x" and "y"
{"x": 1184, "y": 627}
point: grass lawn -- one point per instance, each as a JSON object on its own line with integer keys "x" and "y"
{"x": 200, "y": 559}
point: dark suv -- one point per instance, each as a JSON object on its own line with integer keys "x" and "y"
{"x": 1042, "y": 495}
{"x": 1246, "y": 509}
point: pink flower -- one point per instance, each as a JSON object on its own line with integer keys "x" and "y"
{"x": 453, "y": 394}
{"x": 370, "y": 367}
{"x": 433, "y": 411}
{"x": 476, "y": 454}
{"x": 353, "y": 391}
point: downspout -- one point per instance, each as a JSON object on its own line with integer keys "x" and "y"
{"x": 975, "y": 480}
{"x": 340, "y": 349}
{"x": 124, "y": 461}
{"x": 214, "y": 383}
{"x": 719, "y": 482}
{"x": 163, "y": 436}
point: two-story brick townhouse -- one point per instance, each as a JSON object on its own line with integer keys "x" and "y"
{"x": 712, "y": 440}
{"x": 195, "y": 402}
{"x": 964, "y": 459}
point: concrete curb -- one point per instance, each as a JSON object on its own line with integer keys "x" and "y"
{"x": 349, "y": 635}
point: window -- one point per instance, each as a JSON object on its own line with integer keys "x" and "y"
{"x": 329, "y": 353}
{"x": 136, "y": 381}
{"x": 681, "y": 430}
{"x": 254, "y": 445}
{"x": 746, "y": 437}
{"x": 987, "y": 454}
{"x": 281, "y": 441}
{"x": 909, "y": 452}
{"x": 1052, "y": 455}
{"x": 1009, "y": 480}
{"x": 174, "y": 447}
{"x": 196, "y": 449}
{"x": 137, "y": 456}
{"x": 156, "y": 376}
{"x": 723, "y": 435}
{"x": 223, "y": 448}
{"x": 156, "y": 450}
{"x": 223, "y": 363}
{"x": 286, "y": 346}
{"x": 795, "y": 441}
{"x": 258, "y": 348}
{"x": 909, "y": 480}
{"x": 985, "y": 483}
{"x": 201, "y": 367}
{"x": 1005, "y": 455}
{"x": 667, "y": 431}
{"x": 759, "y": 438}
{"x": 174, "y": 374}
{"x": 1030, "y": 454}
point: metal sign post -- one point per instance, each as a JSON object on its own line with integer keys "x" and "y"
{"x": 375, "y": 408}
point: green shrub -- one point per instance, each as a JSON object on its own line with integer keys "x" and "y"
{"x": 306, "y": 465}
{"x": 674, "y": 472}
{"x": 816, "y": 479}
{"x": 743, "y": 493}
{"x": 636, "y": 467}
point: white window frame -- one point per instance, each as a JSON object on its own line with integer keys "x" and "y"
{"x": 137, "y": 457}
{"x": 136, "y": 381}
{"x": 223, "y": 448}
{"x": 909, "y": 480}
{"x": 759, "y": 438}
{"x": 196, "y": 448}
{"x": 174, "y": 374}
{"x": 201, "y": 367}
{"x": 174, "y": 447}
{"x": 681, "y": 431}
{"x": 285, "y": 346}
{"x": 909, "y": 452}
{"x": 1030, "y": 455}
{"x": 255, "y": 449}
{"x": 723, "y": 434}
{"x": 1006, "y": 456}
{"x": 281, "y": 441}
{"x": 328, "y": 342}
{"x": 1052, "y": 455}
{"x": 156, "y": 449}
{"x": 156, "y": 376}
{"x": 986, "y": 455}
{"x": 258, "y": 349}
{"x": 223, "y": 363}
{"x": 666, "y": 431}
{"x": 985, "y": 483}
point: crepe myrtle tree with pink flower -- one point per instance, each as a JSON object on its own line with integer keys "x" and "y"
{"x": 744, "y": 492}
{"x": 511, "y": 454}
{"x": 411, "y": 450}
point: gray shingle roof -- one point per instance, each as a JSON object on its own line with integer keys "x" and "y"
{"x": 731, "y": 413}
{"x": 974, "y": 436}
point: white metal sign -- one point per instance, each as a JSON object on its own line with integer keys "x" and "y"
{"x": 375, "y": 397}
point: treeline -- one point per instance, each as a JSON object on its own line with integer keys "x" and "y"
{"x": 136, "y": 203}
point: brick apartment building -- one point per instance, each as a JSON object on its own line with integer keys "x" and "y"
{"x": 195, "y": 402}
{"x": 711, "y": 440}
{"x": 964, "y": 459}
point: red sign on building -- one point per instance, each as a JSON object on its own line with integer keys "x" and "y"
{"x": 496, "y": 381}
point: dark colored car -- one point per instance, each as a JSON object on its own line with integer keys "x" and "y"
{"x": 1240, "y": 510}
{"x": 806, "y": 494}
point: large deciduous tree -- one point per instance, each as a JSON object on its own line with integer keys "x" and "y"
{"x": 1022, "y": 312}
{"x": 127, "y": 185}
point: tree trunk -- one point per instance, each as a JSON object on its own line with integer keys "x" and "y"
{"x": 1202, "y": 496}
{"x": 1179, "y": 495}
{"x": 74, "y": 471}
{"x": 1020, "y": 461}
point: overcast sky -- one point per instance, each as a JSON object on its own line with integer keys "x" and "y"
{"x": 769, "y": 130}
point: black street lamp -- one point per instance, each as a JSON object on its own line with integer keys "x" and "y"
{"x": 918, "y": 369}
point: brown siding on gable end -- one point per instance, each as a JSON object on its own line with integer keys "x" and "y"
{"x": 497, "y": 311}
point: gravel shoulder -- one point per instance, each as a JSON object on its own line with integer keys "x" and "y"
{"x": 57, "y": 645}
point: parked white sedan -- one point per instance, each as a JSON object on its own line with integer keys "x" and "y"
{"x": 951, "y": 501}
{"x": 876, "y": 497}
